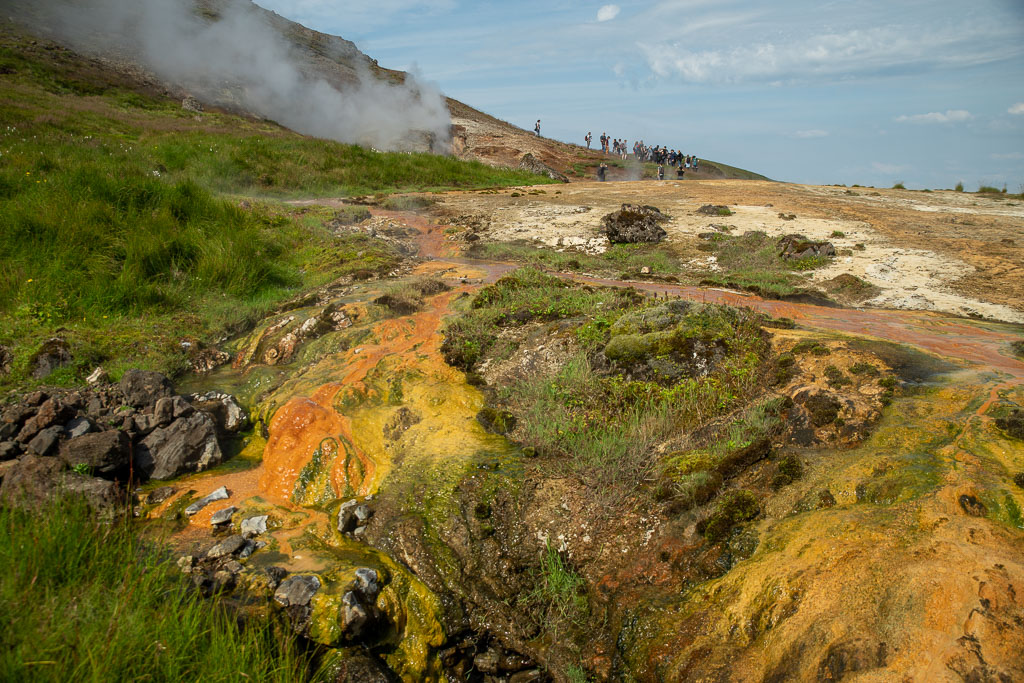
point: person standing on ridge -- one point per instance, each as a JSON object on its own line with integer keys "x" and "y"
{"x": 588, "y": 138}
{"x": 536, "y": 128}
{"x": 601, "y": 171}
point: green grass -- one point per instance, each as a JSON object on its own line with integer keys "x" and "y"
{"x": 86, "y": 601}
{"x": 525, "y": 295}
{"x": 751, "y": 262}
{"x": 618, "y": 259}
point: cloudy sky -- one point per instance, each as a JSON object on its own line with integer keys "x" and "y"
{"x": 928, "y": 92}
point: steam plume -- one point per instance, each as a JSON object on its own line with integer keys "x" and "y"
{"x": 231, "y": 53}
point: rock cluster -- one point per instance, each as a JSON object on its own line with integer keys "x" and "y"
{"x": 88, "y": 441}
{"x": 799, "y": 247}
{"x": 634, "y": 223}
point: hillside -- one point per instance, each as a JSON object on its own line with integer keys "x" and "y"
{"x": 467, "y": 133}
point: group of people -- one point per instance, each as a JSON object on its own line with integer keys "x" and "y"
{"x": 641, "y": 152}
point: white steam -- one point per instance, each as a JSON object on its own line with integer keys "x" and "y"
{"x": 239, "y": 57}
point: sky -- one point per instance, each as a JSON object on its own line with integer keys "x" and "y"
{"x": 924, "y": 92}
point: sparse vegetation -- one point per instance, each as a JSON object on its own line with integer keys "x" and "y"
{"x": 959, "y": 187}
{"x": 899, "y": 186}
{"x": 617, "y": 259}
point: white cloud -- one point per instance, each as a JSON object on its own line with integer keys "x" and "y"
{"x": 813, "y": 133}
{"x": 1017, "y": 108}
{"x": 888, "y": 168}
{"x": 608, "y": 12}
{"x": 820, "y": 54}
{"x": 950, "y": 116}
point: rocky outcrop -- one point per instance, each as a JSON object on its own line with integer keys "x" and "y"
{"x": 530, "y": 163}
{"x": 795, "y": 247}
{"x": 35, "y": 481}
{"x": 634, "y": 223}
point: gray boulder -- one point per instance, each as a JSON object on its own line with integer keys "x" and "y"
{"x": 634, "y": 223}
{"x": 80, "y": 426}
{"x": 46, "y": 441}
{"x": 219, "y": 494}
{"x": 189, "y": 444}
{"x": 297, "y": 590}
{"x": 106, "y": 454}
{"x": 142, "y": 388}
{"x": 54, "y": 353}
{"x": 223, "y": 408}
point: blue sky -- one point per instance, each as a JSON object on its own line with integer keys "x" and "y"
{"x": 871, "y": 92}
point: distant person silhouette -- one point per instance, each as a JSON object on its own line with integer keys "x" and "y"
{"x": 601, "y": 170}
{"x": 588, "y": 137}
{"x": 536, "y": 128}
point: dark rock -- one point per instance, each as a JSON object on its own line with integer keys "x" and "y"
{"x": 46, "y": 441}
{"x": 142, "y": 388}
{"x": 487, "y": 661}
{"x": 368, "y": 582}
{"x": 9, "y": 449}
{"x": 229, "y": 546}
{"x": 35, "y": 398}
{"x": 360, "y": 668}
{"x": 51, "y": 412}
{"x": 54, "y": 353}
{"x": 106, "y": 454}
{"x": 528, "y": 676}
{"x": 1012, "y": 424}
{"x": 355, "y": 615}
{"x": 79, "y": 426}
{"x": 223, "y": 516}
{"x": 297, "y": 590}
{"x": 188, "y": 444}
{"x": 170, "y": 408}
{"x": 972, "y": 506}
{"x": 144, "y": 424}
{"x": 219, "y": 494}
{"x": 362, "y": 513}
{"x": 159, "y": 495}
{"x": 36, "y": 480}
{"x": 799, "y": 247}
{"x": 822, "y": 407}
{"x": 8, "y": 430}
{"x": 530, "y": 163}
{"x": 633, "y": 223}
{"x": 347, "y": 520}
{"x": 227, "y": 414}
{"x": 714, "y": 210}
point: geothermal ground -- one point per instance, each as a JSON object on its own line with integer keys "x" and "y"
{"x": 890, "y": 551}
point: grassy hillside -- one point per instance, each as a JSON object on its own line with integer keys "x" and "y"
{"x": 115, "y": 228}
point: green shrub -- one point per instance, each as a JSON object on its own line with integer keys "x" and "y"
{"x": 959, "y": 187}
{"x": 788, "y": 470}
{"x": 899, "y": 186}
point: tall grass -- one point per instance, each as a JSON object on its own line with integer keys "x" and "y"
{"x": 617, "y": 259}
{"x": 81, "y": 600}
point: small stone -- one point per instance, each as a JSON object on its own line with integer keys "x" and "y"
{"x": 250, "y": 548}
{"x": 35, "y": 398}
{"x": 363, "y": 513}
{"x": 233, "y": 566}
{"x": 219, "y": 494}
{"x": 646, "y": 270}
{"x": 528, "y": 676}
{"x": 142, "y": 388}
{"x": 368, "y": 582}
{"x": 223, "y": 581}
{"x": 229, "y": 546}
{"x": 9, "y": 450}
{"x": 359, "y": 532}
{"x": 159, "y": 495}
{"x": 223, "y": 516}
{"x": 297, "y": 590}
{"x": 79, "y": 426}
{"x": 354, "y": 613}
{"x": 487, "y": 661}
{"x": 255, "y": 525}
{"x": 186, "y": 563}
{"x": 45, "y": 442}
{"x": 97, "y": 376}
